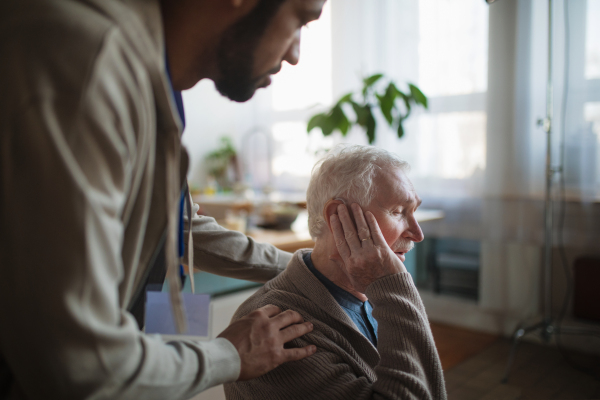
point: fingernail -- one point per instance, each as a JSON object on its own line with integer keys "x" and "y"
{"x": 310, "y": 325}
{"x": 313, "y": 349}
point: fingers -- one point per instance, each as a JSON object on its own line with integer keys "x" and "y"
{"x": 349, "y": 227}
{"x": 376, "y": 235}
{"x": 298, "y": 353}
{"x": 287, "y": 318}
{"x": 361, "y": 224}
{"x": 338, "y": 236}
{"x": 295, "y": 331}
{"x": 270, "y": 310}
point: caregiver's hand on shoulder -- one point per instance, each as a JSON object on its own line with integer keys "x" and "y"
{"x": 259, "y": 338}
{"x": 365, "y": 254}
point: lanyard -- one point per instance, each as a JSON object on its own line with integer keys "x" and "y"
{"x": 185, "y": 193}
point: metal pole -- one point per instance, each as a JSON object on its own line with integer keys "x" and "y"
{"x": 548, "y": 205}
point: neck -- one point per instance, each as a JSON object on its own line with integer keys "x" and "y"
{"x": 191, "y": 39}
{"x": 321, "y": 259}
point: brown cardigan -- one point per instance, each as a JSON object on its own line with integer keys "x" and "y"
{"x": 405, "y": 364}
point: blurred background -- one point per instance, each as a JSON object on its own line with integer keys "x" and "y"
{"x": 477, "y": 152}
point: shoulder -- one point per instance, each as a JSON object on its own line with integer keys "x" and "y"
{"x": 284, "y": 299}
{"x": 55, "y": 48}
{"x": 282, "y": 291}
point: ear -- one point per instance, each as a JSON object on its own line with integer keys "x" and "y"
{"x": 331, "y": 209}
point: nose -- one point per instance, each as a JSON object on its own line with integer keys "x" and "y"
{"x": 413, "y": 231}
{"x": 292, "y": 55}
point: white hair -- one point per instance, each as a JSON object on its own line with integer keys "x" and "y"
{"x": 347, "y": 172}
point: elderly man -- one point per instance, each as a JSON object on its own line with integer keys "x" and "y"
{"x": 370, "y": 328}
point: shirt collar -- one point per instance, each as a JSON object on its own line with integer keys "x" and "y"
{"x": 344, "y": 298}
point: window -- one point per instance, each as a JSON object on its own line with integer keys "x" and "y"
{"x": 451, "y": 137}
{"x": 295, "y": 92}
{"x": 446, "y": 143}
{"x": 453, "y": 42}
{"x": 592, "y": 48}
{"x": 308, "y": 83}
{"x": 295, "y": 154}
{"x": 582, "y": 124}
{"x": 592, "y": 75}
{"x": 592, "y": 116}
{"x": 451, "y": 145}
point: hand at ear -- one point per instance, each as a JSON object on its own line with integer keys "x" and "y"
{"x": 330, "y": 209}
{"x": 364, "y": 260}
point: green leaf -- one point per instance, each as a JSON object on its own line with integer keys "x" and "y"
{"x": 361, "y": 113}
{"x": 400, "y": 128}
{"x": 226, "y": 151}
{"x": 368, "y": 82}
{"x": 386, "y": 104}
{"x": 339, "y": 120}
{"x": 372, "y": 79}
{"x": 391, "y": 90}
{"x": 345, "y": 99}
{"x": 344, "y": 125}
{"x": 323, "y": 121}
{"x": 328, "y": 125}
{"x": 370, "y": 126}
{"x": 406, "y": 99}
{"x": 315, "y": 121}
{"x": 419, "y": 97}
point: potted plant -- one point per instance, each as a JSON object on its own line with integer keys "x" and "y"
{"x": 394, "y": 104}
{"x": 223, "y": 165}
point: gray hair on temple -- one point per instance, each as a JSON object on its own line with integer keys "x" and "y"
{"x": 347, "y": 172}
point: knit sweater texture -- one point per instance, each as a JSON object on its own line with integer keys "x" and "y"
{"x": 405, "y": 364}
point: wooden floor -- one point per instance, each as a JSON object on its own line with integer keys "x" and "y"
{"x": 539, "y": 372}
{"x": 455, "y": 344}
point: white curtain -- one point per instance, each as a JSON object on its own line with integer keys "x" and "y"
{"x": 516, "y": 144}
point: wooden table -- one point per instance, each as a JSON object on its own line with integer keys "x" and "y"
{"x": 283, "y": 240}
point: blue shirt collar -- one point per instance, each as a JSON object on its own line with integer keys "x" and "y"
{"x": 344, "y": 298}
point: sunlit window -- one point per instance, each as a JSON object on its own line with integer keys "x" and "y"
{"x": 453, "y": 46}
{"x": 450, "y": 144}
{"x": 295, "y": 154}
{"x": 453, "y": 54}
{"x": 295, "y": 89}
{"x": 452, "y": 41}
{"x": 592, "y": 53}
{"x": 309, "y": 82}
{"x": 592, "y": 115}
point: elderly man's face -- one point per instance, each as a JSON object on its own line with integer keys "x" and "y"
{"x": 394, "y": 208}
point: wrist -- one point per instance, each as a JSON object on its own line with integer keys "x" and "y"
{"x": 223, "y": 362}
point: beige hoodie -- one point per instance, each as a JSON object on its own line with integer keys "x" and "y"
{"x": 91, "y": 167}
